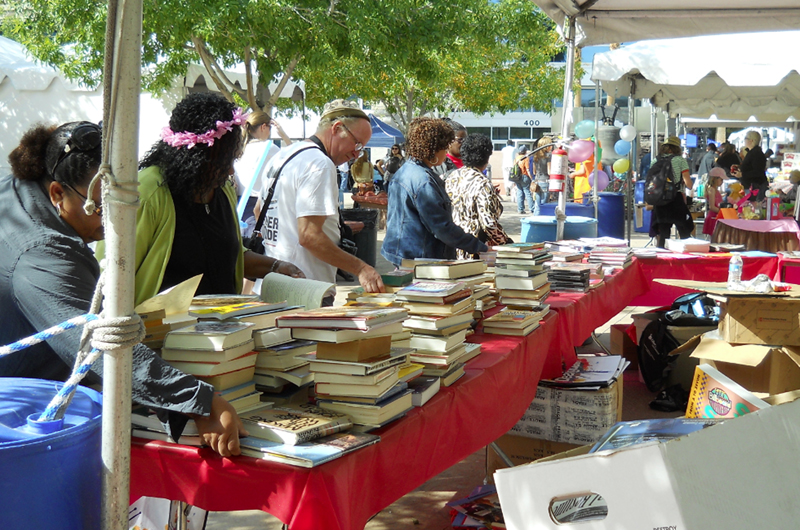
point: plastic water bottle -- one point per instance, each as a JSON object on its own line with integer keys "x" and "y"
{"x": 735, "y": 271}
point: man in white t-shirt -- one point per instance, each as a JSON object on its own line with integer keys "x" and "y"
{"x": 302, "y": 222}
{"x": 508, "y": 162}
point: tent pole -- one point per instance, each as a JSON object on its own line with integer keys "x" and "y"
{"x": 653, "y": 133}
{"x": 119, "y": 279}
{"x": 566, "y": 119}
{"x": 631, "y": 156}
{"x": 597, "y": 160}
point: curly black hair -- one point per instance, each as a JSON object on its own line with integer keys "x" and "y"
{"x": 476, "y": 150}
{"x": 426, "y": 137}
{"x": 42, "y": 147}
{"x": 191, "y": 172}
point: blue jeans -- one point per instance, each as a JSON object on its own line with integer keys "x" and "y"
{"x": 523, "y": 191}
{"x": 540, "y": 197}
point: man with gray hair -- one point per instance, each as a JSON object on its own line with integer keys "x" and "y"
{"x": 302, "y": 221}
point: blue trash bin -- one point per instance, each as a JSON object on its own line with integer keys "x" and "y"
{"x": 51, "y": 474}
{"x": 638, "y": 198}
{"x": 538, "y": 228}
{"x": 572, "y": 209}
{"x": 610, "y": 213}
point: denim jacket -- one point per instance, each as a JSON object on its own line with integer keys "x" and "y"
{"x": 419, "y": 221}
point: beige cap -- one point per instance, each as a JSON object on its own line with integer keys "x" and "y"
{"x": 342, "y": 107}
{"x": 673, "y": 140}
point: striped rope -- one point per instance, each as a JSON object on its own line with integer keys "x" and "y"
{"x": 64, "y": 395}
{"x": 46, "y": 334}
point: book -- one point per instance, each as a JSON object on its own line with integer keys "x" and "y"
{"x": 369, "y": 366}
{"x": 266, "y": 319}
{"x": 453, "y": 375}
{"x": 231, "y": 379}
{"x": 593, "y": 370}
{"x": 207, "y": 356}
{"x": 434, "y": 322}
{"x": 346, "y": 335}
{"x": 216, "y": 300}
{"x": 423, "y": 388}
{"x": 209, "y": 335}
{"x": 510, "y": 318}
{"x": 342, "y": 317}
{"x": 238, "y": 391}
{"x": 292, "y": 425}
{"x": 296, "y": 291}
{"x": 268, "y": 337}
{"x": 357, "y": 350}
{"x": 298, "y": 376}
{"x": 628, "y": 433}
{"x": 409, "y": 372}
{"x": 532, "y": 254}
{"x": 450, "y": 356}
{"x": 154, "y": 317}
{"x": 293, "y": 348}
{"x": 426, "y": 289}
{"x": 308, "y": 454}
{"x": 517, "y": 247}
{"x": 536, "y": 294}
{"x": 247, "y": 360}
{"x": 347, "y": 389}
{"x": 247, "y": 402}
{"x": 521, "y": 273}
{"x": 440, "y": 344}
{"x": 398, "y": 278}
{"x": 715, "y": 395}
{"x": 444, "y": 332}
{"x": 422, "y": 308}
{"x": 279, "y": 363}
{"x": 235, "y": 310}
{"x": 400, "y": 386}
{"x": 366, "y": 414}
{"x": 508, "y": 282}
{"x": 448, "y": 269}
{"x": 370, "y": 379}
{"x": 481, "y": 505}
{"x": 516, "y": 332}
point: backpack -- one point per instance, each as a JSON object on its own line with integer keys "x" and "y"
{"x": 515, "y": 174}
{"x": 655, "y": 345}
{"x": 659, "y": 188}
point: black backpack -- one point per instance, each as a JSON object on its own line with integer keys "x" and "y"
{"x": 515, "y": 173}
{"x": 654, "y": 350}
{"x": 659, "y": 188}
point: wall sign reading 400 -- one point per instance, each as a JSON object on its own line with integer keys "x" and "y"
{"x": 531, "y": 123}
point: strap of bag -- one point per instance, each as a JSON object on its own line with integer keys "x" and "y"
{"x": 264, "y": 207}
{"x": 246, "y": 195}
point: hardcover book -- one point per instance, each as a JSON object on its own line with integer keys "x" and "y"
{"x": 209, "y": 335}
{"x": 236, "y": 310}
{"x": 423, "y": 308}
{"x": 448, "y": 269}
{"x": 714, "y": 395}
{"x": 508, "y": 282}
{"x": 247, "y": 360}
{"x": 398, "y": 278}
{"x": 396, "y": 357}
{"x": 297, "y": 376}
{"x": 371, "y": 414}
{"x": 424, "y": 388}
{"x": 231, "y": 379}
{"x": 293, "y": 425}
{"x": 440, "y": 344}
{"x": 268, "y": 337}
{"x": 347, "y": 379}
{"x": 357, "y": 350}
{"x": 347, "y": 389}
{"x": 342, "y": 317}
{"x": 346, "y": 335}
{"x": 207, "y": 356}
{"x": 415, "y": 322}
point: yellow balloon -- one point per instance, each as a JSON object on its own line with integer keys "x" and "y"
{"x": 622, "y": 165}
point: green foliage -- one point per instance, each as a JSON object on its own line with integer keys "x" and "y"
{"x": 414, "y": 56}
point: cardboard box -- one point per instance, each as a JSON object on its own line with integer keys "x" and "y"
{"x": 769, "y": 369}
{"x": 521, "y": 450}
{"x": 571, "y": 416}
{"x": 760, "y": 320}
{"x": 738, "y": 475}
{"x": 621, "y": 344}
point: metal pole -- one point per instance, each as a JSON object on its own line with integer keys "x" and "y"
{"x": 119, "y": 273}
{"x": 631, "y": 158}
{"x": 597, "y": 160}
{"x": 653, "y": 133}
{"x": 566, "y": 118}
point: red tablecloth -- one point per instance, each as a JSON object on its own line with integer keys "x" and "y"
{"x": 705, "y": 268}
{"x": 484, "y": 404}
{"x": 580, "y": 314}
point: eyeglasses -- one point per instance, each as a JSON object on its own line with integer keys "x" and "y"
{"x": 97, "y": 211}
{"x": 359, "y": 145}
{"x": 458, "y": 140}
{"x": 83, "y": 138}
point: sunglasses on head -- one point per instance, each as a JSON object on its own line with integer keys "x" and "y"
{"x": 83, "y": 138}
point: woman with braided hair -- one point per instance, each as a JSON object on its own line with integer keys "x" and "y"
{"x": 48, "y": 275}
{"x": 186, "y": 223}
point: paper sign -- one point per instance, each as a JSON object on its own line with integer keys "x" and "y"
{"x": 174, "y": 300}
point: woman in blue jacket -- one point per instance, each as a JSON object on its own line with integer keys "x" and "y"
{"x": 419, "y": 221}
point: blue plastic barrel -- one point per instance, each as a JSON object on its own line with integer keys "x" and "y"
{"x": 638, "y": 198}
{"x": 611, "y": 215}
{"x": 538, "y": 228}
{"x": 572, "y": 208}
{"x": 51, "y": 474}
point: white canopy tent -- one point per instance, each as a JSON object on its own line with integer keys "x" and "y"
{"x": 607, "y": 21}
{"x": 730, "y": 77}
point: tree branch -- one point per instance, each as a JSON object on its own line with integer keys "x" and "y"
{"x": 210, "y": 65}
{"x": 287, "y": 74}
{"x": 251, "y": 96}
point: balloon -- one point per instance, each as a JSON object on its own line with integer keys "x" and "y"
{"x": 602, "y": 179}
{"x": 622, "y": 147}
{"x": 628, "y": 133}
{"x": 584, "y": 129}
{"x": 622, "y": 165}
{"x": 580, "y": 151}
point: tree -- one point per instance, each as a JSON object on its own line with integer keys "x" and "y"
{"x": 414, "y": 56}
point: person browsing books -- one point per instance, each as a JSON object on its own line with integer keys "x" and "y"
{"x": 420, "y": 214}
{"x": 476, "y": 204}
{"x": 186, "y": 223}
{"x": 302, "y": 220}
{"x": 49, "y": 273}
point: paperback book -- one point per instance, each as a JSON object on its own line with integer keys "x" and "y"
{"x": 209, "y": 335}
{"x": 236, "y": 310}
{"x": 396, "y": 357}
{"x": 342, "y": 317}
{"x": 307, "y": 454}
{"x": 715, "y": 395}
{"x": 294, "y": 425}
{"x": 371, "y": 414}
{"x": 448, "y": 269}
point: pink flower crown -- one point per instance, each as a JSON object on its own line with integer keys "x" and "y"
{"x": 190, "y": 139}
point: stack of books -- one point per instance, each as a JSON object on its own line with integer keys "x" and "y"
{"x": 441, "y": 317}
{"x": 220, "y": 353}
{"x": 278, "y": 365}
{"x": 520, "y": 274}
{"x": 611, "y": 257}
{"x": 573, "y": 276}
{"x": 514, "y": 321}
{"x": 356, "y": 371}
{"x": 156, "y": 326}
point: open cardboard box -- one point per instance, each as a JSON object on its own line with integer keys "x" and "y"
{"x": 758, "y": 368}
{"x": 742, "y": 474}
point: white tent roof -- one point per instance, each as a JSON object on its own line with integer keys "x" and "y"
{"x": 731, "y": 77}
{"x": 607, "y": 21}
{"x": 17, "y": 68}
{"x": 237, "y": 75}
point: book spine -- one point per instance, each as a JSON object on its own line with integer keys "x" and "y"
{"x": 319, "y": 432}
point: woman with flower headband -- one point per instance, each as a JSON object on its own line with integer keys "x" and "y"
{"x": 186, "y": 223}
{"x": 48, "y": 274}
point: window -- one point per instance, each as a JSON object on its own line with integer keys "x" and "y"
{"x": 521, "y": 132}
{"x": 480, "y": 130}
{"x": 499, "y": 133}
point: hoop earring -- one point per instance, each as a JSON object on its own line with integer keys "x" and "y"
{"x": 58, "y": 209}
